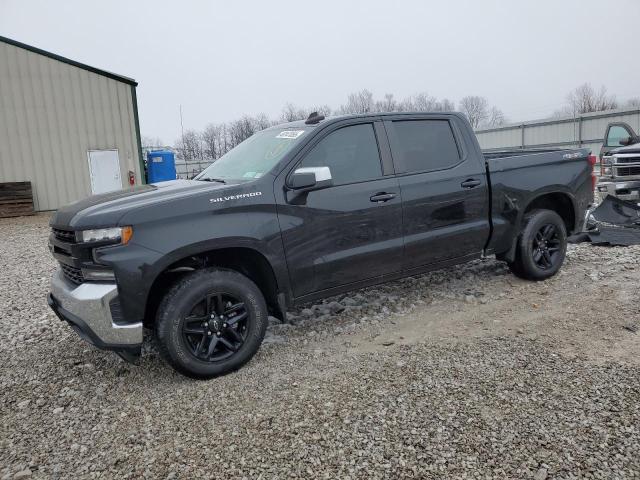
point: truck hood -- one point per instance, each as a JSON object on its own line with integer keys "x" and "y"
{"x": 107, "y": 209}
{"x": 635, "y": 148}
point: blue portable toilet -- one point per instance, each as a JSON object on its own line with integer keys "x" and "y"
{"x": 161, "y": 166}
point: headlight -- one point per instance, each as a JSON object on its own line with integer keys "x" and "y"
{"x": 120, "y": 234}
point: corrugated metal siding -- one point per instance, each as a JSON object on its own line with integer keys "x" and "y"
{"x": 51, "y": 114}
{"x": 585, "y": 131}
{"x": 503, "y": 138}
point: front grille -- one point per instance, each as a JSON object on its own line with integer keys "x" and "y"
{"x": 627, "y": 159}
{"x": 72, "y": 273}
{"x": 627, "y": 171}
{"x": 64, "y": 235}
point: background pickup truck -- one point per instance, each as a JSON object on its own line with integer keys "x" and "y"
{"x": 620, "y": 163}
{"x": 299, "y": 212}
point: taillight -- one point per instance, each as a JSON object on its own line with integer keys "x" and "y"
{"x": 592, "y": 161}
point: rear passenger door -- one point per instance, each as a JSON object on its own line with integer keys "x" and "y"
{"x": 444, "y": 190}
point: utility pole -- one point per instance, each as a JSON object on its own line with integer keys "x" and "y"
{"x": 182, "y": 128}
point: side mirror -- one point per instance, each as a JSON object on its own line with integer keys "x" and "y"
{"x": 310, "y": 178}
{"x": 627, "y": 141}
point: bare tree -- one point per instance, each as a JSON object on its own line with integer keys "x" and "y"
{"x": 495, "y": 118}
{"x": 475, "y": 108}
{"x": 388, "y": 104}
{"x": 189, "y": 147}
{"x": 424, "y": 102}
{"x": 420, "y": 102}
{"x": 633, "y": 102}
{"x": 240, "y": 130}
{"x": 324, "y": 110}
{"x": 217, "y": 139}
{"x": 291, "y": 113}
{"x": 585, "y": 99}
{"x": 445, "y": 105}
{"x": 149, "y": 141}
{"x": 359, "y": 102}
{"x": 261, "y": 121}
{"x": 212, "y": 141}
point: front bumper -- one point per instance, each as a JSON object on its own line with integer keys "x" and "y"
{"x": 624, "y": 190}
{"x": 87, "y": 308}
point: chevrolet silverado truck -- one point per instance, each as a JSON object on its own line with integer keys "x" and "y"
{"x": 620, "y": 163}
{"x": 299, "y": 212}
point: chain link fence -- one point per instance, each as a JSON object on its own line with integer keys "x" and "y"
{"x": 190, "y": 168}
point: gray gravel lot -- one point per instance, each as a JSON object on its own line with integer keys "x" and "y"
{"x": 467, "y": 372}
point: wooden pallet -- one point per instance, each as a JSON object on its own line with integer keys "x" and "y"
{"x": 16, "y": 199}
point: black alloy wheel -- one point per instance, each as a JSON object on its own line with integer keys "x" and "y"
{"x": 211, "y": 322}
{"x": 216, "y": 327}
{"x": 541, "y": 245}
{"x": 546, "y": 246}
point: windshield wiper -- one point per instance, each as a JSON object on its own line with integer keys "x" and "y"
{"x": 209, "y": 179}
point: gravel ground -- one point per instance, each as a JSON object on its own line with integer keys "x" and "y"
{"x": 467, "y": 372}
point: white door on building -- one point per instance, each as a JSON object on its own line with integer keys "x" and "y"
{"x": 104, "y": 169}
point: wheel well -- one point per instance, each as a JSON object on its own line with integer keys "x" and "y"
{"x": 559, "y": 203}
{"x": 246, "y": 261}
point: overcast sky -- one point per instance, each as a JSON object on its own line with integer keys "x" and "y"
{"x": 222, "y": 59}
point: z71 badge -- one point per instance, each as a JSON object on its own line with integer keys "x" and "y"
{"x": 235, "y": 197}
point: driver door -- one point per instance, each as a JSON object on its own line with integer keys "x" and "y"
{"x": 351, "y": 232}
{"x": 615, "y": 133}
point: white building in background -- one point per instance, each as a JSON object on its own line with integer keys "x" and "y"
{"x": 68, "y": 128}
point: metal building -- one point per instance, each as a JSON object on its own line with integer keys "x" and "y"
{"x": 68, "y": 128}
{"x": 582, "y": 131}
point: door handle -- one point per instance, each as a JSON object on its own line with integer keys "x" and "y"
{"x": 470, "y": 183}
{"x": 382, "y": 197}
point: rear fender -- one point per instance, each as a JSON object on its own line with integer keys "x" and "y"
{"x": 515, "y": 209}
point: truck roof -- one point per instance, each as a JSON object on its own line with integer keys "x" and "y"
{"x": 336, "y": 118}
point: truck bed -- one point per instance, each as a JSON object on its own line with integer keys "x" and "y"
{"x": 516, "y": 176}
{"x": 517, "y": 152}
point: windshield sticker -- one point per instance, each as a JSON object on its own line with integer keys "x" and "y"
{"x": 249, "y": 174}
{"x": 290, "y": 134}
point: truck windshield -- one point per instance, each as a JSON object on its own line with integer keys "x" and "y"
{"x": 254, "y": 157}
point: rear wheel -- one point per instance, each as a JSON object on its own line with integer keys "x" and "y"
{"x": 211, "y": 323}
{"x": 541, "y": 247}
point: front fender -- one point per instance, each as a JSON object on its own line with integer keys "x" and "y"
{"x": 137, "y": 268}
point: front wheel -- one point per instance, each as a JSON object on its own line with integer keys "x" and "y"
{"x": 541, "y": 246}
{"x": 211, "y": 323}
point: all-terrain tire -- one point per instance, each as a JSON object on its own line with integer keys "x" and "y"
{"x": 177, "y": 305}
{"x": 538, "y": 257}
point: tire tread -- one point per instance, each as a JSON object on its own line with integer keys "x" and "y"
{"x": 521, "y": 266}
{"x": 172, "y": 302}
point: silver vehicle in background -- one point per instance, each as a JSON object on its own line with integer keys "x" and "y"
{"x": 620, "y": 163}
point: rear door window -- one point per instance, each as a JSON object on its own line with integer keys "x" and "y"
{"x": 423, "y": 145}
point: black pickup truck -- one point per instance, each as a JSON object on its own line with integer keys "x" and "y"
{"x": 299, "y": 212}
